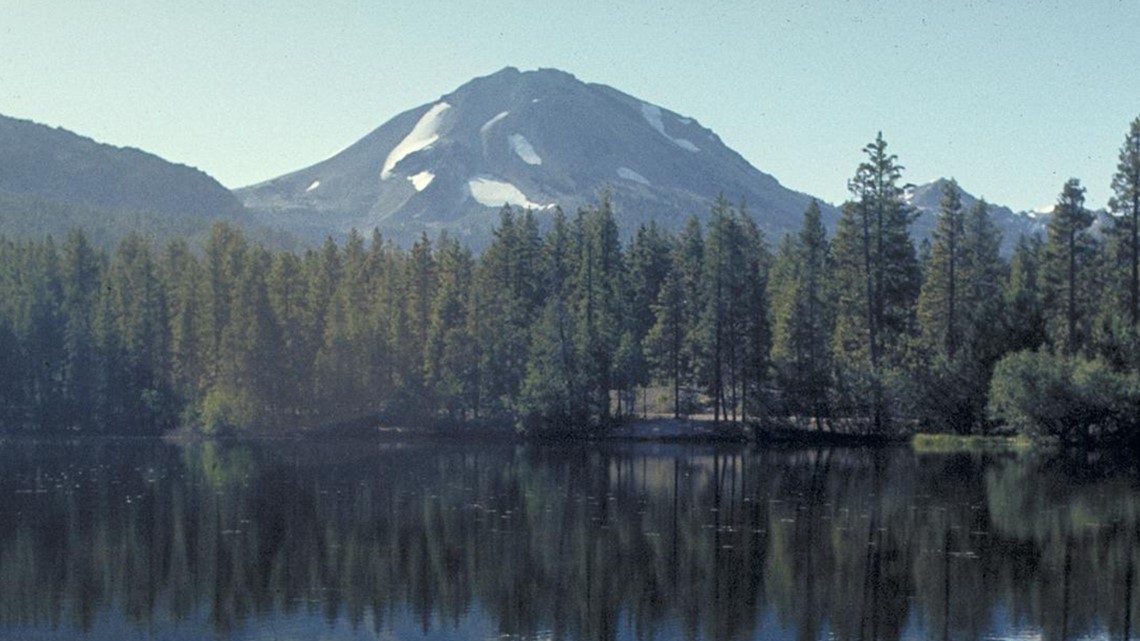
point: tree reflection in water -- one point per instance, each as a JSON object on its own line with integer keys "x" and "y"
{"x": 359, "y": 540}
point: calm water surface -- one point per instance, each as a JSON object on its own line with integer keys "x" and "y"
{"x": 135, "y": 539}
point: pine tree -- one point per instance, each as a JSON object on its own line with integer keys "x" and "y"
{"x": 598, "y": 320}
{"x": 385, "y": 268}
{"x": 665, "y": 343}
{"x": 253, "y": 348}
{"x": 450, "y": 361}
{"x": 509, "y": 293}
{"x": 44, "y": 330}
{"x": 224, "y": 255}
{"x": 1023, "y": 298}
{"x": 959, "y": 313}
{"x": 81, "y": 270}
{"x": 553, "y": 394}
{"x": 714, "y": 332}
{"x": 877, "y": 276}
{"x": 1067, "y": 254}
{"x": 138, "y": 319}
{"x": 1125, "y": 231}
{"x": 285, "y": 290}
{"x": 753, "y": 318}
{"x": 940, "y": 312}
{"x": 803, "y": 311}
{"x": 982, "y": 271}
{"x": 418, "y": 291}
{"x": 690, "y": 265}
{"x": 733, "y": 326}
{"x": 648, "y": 261}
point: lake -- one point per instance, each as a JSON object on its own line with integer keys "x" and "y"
{"x": 141, "y": 539}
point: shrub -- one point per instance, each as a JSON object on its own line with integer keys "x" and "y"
{"x": 1074, "y": 401}
{"x": 224, "y": 410}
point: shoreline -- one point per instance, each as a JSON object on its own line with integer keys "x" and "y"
{"x": 697, "y": 431}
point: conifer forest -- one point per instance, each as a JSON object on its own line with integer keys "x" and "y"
{"x": 561, "y": 326}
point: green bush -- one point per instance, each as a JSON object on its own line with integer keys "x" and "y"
{"x": 1071, "y": 400}
{"x": 224, "y": 410}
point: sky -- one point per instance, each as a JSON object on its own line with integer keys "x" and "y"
{"x": 1012, "y": 98}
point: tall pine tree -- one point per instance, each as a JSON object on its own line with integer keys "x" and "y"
{"x": 1067, "y": 255}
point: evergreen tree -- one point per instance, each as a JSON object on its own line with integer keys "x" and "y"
{"x": 982, "y": 272}
{"x": 959, "y": 315}
{"x": 1023, "y": 296}
{"x": 341, "y": 384}
{"x": 247, "y": 390}
{"x": 553, "y": 394}
{"x": 322, "y": 272}
{"x": 411, "y": 330}
{"x": 733, "y": 326}
{"x": 803, "y": 311}
{"x": 182, "y": 278}
{"x": 665, "y": 343}
{"x": 136, "y": 312}
{"x": 877, "y": 276}
{"x": 753, "y": 318}
{"x": 648, "y": 261}
{"x": 81, "y": 271}
{"x": 451, "y": 364}
{"x": 285, "y": 290}
{"x": 1067, "y": 255}
{"x": 690, "y": 264}
{"x": 385, "y": 268}
{"x": 224, "y": 256}
{"x": 940, "y": 313}
{"x": 1125, "y": 231}
{"x": 44, "y": 328}
{"x": 509, "y": 292}
{"x": 596, "y": 286}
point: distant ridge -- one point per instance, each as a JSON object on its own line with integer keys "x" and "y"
{"x": 58, "y": 164}
{"x": 53, "y": 180}
{"x": 926, "y": 199}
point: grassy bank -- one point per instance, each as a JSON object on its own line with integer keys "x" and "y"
{"x": 954, "y": 444}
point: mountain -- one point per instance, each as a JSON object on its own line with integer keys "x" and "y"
{"x": 52, "y": 180}
{"x": 927, "y": 197}
{"x": 534, "y": 139}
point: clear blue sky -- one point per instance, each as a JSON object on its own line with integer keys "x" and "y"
{"x": 1010, "y": 97}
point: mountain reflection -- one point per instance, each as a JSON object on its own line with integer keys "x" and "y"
{"x": 363, "y": 540}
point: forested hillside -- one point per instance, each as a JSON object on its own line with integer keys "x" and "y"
{"x": 861, "y": 332}
{"x": 53, "y": 181}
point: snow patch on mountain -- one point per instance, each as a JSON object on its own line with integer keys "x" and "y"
{"x": 421, "y": 180}
{"x": 652, "y": 115}
{"x": 629, "y": 174}
{"x": 524, "y": 149}
{"x": 422, "y": 136}
{"x": 316, "y": 183}
{"x": 685, "y": 144}
{"x": 493, "y": 193}
{"x": 491, "y": 123}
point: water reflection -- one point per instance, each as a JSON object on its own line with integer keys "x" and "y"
{"x": 139, "y": 539}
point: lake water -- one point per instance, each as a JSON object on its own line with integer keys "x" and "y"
{"x": 139, "y": 539}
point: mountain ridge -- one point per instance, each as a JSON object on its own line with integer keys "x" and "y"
{"x": 87, "y": 172}
{"x": 53, "y": 180}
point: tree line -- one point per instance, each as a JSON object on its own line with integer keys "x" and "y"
{"x": 565, "y": 328}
